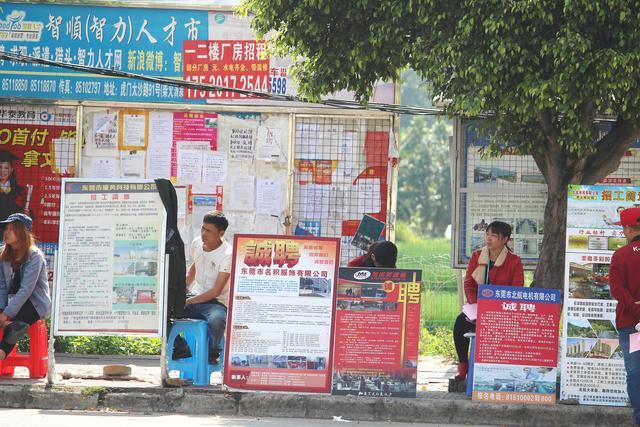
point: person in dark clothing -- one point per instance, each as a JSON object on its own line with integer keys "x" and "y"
{"x": 24, "y": 289}
{"x": 624, "y": 282}
{"x": 11, "y": 194}
{"x": 382, "y": 254}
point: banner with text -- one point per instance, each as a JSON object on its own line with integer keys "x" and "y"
{"x": 516, "y": 352}
{"x": 110, "y": 271}
{"x": 281, "y": 313}
{"x": 377, "y": 332}
{"x": 592, "y": 364}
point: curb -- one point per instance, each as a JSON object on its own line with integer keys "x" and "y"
{"x": 432, "y": 407}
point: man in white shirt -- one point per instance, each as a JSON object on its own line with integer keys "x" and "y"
{"x": 208, "y": 283}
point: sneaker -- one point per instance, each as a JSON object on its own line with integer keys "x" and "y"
{"x": 181, "y": 353}
{"x": 14, "y": 330}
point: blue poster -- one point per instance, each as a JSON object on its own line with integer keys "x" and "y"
{"x": 135, "y": 40}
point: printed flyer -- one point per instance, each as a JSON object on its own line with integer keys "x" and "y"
{"x": 592, "y": 364}
{"x": 516, "y": 353}
{"x": 281, "y": 310}
{"x": 111, "y": 264}
{"x": 377, "y": 332}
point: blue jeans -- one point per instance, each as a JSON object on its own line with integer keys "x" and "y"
{"x": 215, "y": 314}
{"x": 632, "y": 365}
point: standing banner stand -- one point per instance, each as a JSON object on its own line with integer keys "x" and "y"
{"x": 281, "y": 314}
{"x": 516, "y": 351}
{"x": 592, "y": 364}
{"x": 110, "y": 272}
{"x": 377, "y": 332}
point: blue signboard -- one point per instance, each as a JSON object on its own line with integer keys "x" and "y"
{"x": 136, "y": 40}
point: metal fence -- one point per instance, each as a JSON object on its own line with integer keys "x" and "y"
{"x": 440, "y": 304}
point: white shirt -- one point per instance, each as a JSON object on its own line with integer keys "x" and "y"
{"x": 208, "y": 264}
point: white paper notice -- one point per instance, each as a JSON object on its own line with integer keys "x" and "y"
{"x": 315, "y": 201}
{"x": 270, "y": 142}
{"x": 64, "y": 154}
{"x": 159, "y": 147}
{"x": 214, "y": 168}
{"x": 189, "y": 166}
{"x": 368, "y": 191}
{"x": 132, "y": 164}
{"x": 105, "y": 130}
{"x": 181, "y": 195}
{"x": 133, "y": 131}
{"x": 243, "y": 191}
{"x": 241, "y": 143}
{"x": 101, "y": 167}
{"x": 268, "y": 197}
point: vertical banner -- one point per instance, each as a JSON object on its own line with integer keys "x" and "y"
{"x": 37, "y": 149}
{"x": 111, "y": 265}
{"x": 281, "y": 313}
{"x": 377, "y": 332}
{"x": 516, "y": 355}
{"x": 592, "y": 365}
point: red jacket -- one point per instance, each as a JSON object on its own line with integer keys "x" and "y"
{"x": 510, "y": 273}
{"x": 624, "y": 281}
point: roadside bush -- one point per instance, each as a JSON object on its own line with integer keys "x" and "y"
{"x": 437, "y": 342}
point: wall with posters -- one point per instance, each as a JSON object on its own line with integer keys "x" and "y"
{"x": 229, "y": 152}
{"x": 592, "y": 365}
{"x": 509, "y": 188}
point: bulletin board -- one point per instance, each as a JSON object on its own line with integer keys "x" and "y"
{"x": 342, "y": 172}
{"x": 508, "y": 188}
{"x": 235, "y": 162}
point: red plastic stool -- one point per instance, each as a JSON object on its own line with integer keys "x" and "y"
{"x": 36, "y": 360}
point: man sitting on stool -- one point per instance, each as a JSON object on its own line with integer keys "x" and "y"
{"x": 208, "y": 284}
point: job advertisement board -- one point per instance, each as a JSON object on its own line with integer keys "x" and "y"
{"x": 110, "y": 271}
{"x": 281, "y": 313}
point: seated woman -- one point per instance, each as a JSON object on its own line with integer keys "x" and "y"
{"x": 382, "y": 254}
{"x": 494, "y": 264}
{"x": 24, "y": 289}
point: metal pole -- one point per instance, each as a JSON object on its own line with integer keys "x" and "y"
{"x": 51, "y": 361}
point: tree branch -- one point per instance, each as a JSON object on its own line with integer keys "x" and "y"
{"x": 610, "y": 149}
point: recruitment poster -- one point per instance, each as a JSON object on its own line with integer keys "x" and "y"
{"x": 110, "y": 275}
{"x": 281, "y": 313}
{"x": 593, "y": 368}
{"x": 377, "y": 332}
{"x": 516, "y": 353}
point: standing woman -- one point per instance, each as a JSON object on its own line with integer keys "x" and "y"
{"x": 24, "y": 289}
{"x": 494, "y": 264}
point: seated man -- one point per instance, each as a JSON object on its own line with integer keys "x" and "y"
{"x": 208, "y": 283}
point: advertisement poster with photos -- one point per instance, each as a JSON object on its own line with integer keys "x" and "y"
{"x": 281, "y": 306}
{"x": 377, "y": 332}
{"x": 593, "y": 369}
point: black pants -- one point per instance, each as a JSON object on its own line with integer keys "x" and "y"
{"x": 27, "y": 314}
{"x": 461, "y": 327}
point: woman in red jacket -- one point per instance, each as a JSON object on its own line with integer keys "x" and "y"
{"x": 494, "y": 264}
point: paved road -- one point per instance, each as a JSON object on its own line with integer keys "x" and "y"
{"x": 36, "y": 417}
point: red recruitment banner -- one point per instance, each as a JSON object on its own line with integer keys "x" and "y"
{"x": 37, "y": 149}
{"x": 281, "y": 311}
{"x": 377, "y": 332}
{"x": 516, "y": 353}
{"x": 239, "y": 64}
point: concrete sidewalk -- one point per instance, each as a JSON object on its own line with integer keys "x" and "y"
{"x": 77, "y": 387}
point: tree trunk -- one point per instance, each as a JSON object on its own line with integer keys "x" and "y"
{"x": 550, "y": 271}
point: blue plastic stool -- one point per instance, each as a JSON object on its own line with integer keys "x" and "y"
{"x": 472, "y": 349}
{"x": 196, "y": 367}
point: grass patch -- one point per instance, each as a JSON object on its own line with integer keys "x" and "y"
{"x": 437, "y": 342}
